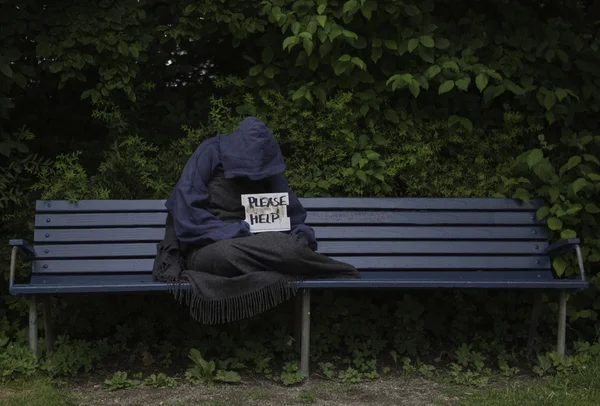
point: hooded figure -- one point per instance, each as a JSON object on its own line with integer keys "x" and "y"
{"x": 223, "y": 271}
{"x": 250, "y": 152}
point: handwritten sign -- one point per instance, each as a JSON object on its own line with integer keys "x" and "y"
{"x": 267, "y": 212}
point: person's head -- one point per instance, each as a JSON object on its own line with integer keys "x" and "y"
{"x": 251, "y": 151}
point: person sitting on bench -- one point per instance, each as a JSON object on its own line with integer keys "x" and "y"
{"x": 235, "y": 273}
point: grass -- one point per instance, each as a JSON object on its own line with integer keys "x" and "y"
{"x": 581, "y": 388}
{"x": 578, "y": 388}
{"x": 35, "y": 393}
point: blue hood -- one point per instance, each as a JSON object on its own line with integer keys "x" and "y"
{"x": 251, "y": 150}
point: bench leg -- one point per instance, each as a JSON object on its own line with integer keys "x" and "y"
{"x": 33, "y": 325}
{"x": 298, "y": 321}
{"x": 305, "y": 341}
{"x": 535, "y": 318}
{"x": 562, "y": 322}
{"x": 48, "y": 327}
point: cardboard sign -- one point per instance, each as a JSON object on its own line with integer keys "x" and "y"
{"x": 267, "y": 212}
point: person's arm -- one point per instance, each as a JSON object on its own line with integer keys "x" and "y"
{"x": 296, "y": 212}
{"x": 192, "y": 222}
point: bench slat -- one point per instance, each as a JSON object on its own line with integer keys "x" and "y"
{"x": 143, "y": 283}
{"x": 360, "y": 262}
{"x": 68, "y": 279}
{"x": 155, "y": 234}
{"x": 325, "y": 247}
{"x": 75, "y": 220}
{"x": 321, "y": 203}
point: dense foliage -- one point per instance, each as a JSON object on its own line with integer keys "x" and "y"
{"x": 107, "y": 99}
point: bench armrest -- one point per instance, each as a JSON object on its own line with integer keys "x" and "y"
{"x": 570, "y": 244}
{"x": 24, "y": 248}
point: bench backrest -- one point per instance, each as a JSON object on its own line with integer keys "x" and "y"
{"x": 377, "y": 235}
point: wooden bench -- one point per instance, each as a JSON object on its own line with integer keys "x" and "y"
{"x": 409, "y": 243}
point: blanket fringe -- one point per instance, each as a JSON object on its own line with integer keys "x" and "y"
{"x": 234, "y": 308}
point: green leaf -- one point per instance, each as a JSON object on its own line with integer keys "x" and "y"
{"x": 446, "y": 87}
{"x": 392, "y": 116}
{"x": 442, "y": 43}
{"x": 450, "y": 65}
{"x": 559, "y": 265}
{"x": 578, "y": 185}
{"x": 361, "y": 175}
{"x": 573, "y": 162}
{"x": 269, "y": 72}
{"x": 350, "y": 6}
{"x": 467, "y": 124}
{"x": 123, "y": 48}
{"x": 298, "y": 94}
{"x": 411, "y": 10}
{"x": 321, "y": 8}
{"x": 521, "y": 194}
{"x": 308, "y": 45}
{"x": 463, "y": 84}
{"x": 553, "y": 193}
{"x": 44, "y": 50}
{"x": 359, "y": 62}
{"x": 6, "y": 69}
{"x": 255, "y": 70}
{"x": 534, "y": 157}
{"x": 349, "y": 34}
{"x": 372, "y": 155}
{"x": 322, "y": 20}
{"x": 481, "y": 81}
{"x": 413, "y": 44}
{"x": 432, "y": 71}
{"x": 267, "y": 55}
{"x": 568, "y": 233}
{"x": 390, "y": 44}
{"x": 549, "y": 100}
{"x": 554, "y": 223}
{"x": 591, "y": 158}
{"x": 189, "y": 9}
{"x": 290, "y": 42}
{"x": 344, "y": 58}
{"x": 56, "y": 67}
{"x": 542, "y": 212}
{"x": 414, "y": 88}
{"x": 320, "y": 94}
{"x": 561, "y": 94}
{"x": 87, "y": 94}
{"x": 593, "y": 176}
{"x": 376, "y": 54}
{"x": 592, "y": 208}
{"x": 134, "y": 52}
{"x": 427, "y": 41}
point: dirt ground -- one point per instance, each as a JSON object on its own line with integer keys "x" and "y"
{"x": 381, "y": 392}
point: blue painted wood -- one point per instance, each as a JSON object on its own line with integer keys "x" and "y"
{"x": 429, "y": 284}
{"x": 155, "y": 234}
{"x": 475, "y": 276}
{"x": 346, "y": 218}
{"x": 360, "y": 262}
{"x": 320, "y": 203}
{"x": 147, "y": 250}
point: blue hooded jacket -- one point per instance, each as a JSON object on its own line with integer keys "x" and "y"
{"x": 251, "y": 151}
